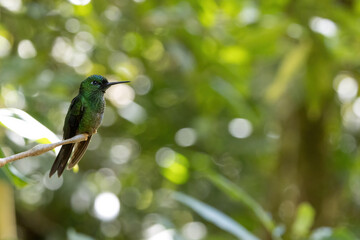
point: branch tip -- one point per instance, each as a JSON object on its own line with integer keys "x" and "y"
{"x": 42, "y": 148}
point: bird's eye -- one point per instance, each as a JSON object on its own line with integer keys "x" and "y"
{"x": 94, "y": 83}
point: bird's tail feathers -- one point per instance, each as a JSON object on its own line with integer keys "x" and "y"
{"x": 79, "y": 152}
{"x": 61, "y": 159}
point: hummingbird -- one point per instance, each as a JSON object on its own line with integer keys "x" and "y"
{"x": 85, "y": 114}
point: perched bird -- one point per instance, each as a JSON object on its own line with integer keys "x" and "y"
{"x": 84, "y": 116}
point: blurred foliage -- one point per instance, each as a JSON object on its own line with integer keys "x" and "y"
{"x": 10, "y": 173}
{"x": 228, "y": 99}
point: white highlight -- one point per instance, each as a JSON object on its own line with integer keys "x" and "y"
{"x": 133, "y": 113}
{"x": 11, "y": 5}
{"x": 164, "y": 235}
{"x": 194, "y": 230}
{"x": 81, "y": 200}
{"x": 159, "y": 232}
{"x": 63, "y": 51}
{"x": 185, "y": 137}
{"x": 52, "y": 183}
{"x": 142, "y": 85}
{"x": 323, "y": 26}
{"x": 80, "y": 2}
{"x": 26, "y": 49}
{"x": 84, "y": 41}
{"x": 165, "y": 157}
{"x": 240, "y": 128}
{"x": 72, "y": 25}
{"x": 356, "y": 107}
{"x": 112, "y": 13}
{"x": 121, "y": 95}
{"x": 248, "y": 15}
{"x": 5, "y": 47}
{"x": 13, "y": 98}
{"x": 106, "y": 206}
{"x": 120, "y": 153}
{"x": 347, "y": 89}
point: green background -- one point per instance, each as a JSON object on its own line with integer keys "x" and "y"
{"x": 281, "y": 75}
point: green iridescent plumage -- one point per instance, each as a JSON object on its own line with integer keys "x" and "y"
{"x": 84, "y": 116}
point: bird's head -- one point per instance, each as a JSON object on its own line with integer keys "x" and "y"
{"x": 97, "y": 83}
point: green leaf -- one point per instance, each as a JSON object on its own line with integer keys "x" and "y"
{"x": 240, "y": 195}
{"x": 289, "y": 67}
{"x": 26, "y": 126}
{"x": 304, "y": 220}
{"x": 177, "y": 170}
{"x": 233, "y": 97}
{"x": 16, "y": 178}
{"x": 341, "y": 234}
{"x": 215, "y": 216}
{"x": 234, "y": 55}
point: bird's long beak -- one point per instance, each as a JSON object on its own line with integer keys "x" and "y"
{"x": 112, "y": 83}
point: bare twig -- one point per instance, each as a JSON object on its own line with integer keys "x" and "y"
{"x": 42, "y": 148}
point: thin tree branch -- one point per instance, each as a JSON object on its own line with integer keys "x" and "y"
{"x": 42, "y": 148}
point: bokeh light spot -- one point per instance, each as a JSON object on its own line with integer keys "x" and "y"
{"x": 165, "y": 157}
{"x": 248, "y": 15}
{"x": 110, "y": 229}
{"x": 52, "y": 183}
{"x": 13, "y": 98}
{"x": 80, "y": 2}
{"x": 106, "y": 206}
{"x": 11, "y": 5}
{"x": 121, "y": 95}
{"x": 72, "y": 25}
{"x": 356, "y": 107}
{"x": 240, "y": 128}
{"x": 175, "y": 166}
{"x": 84, "y": 41}
{"x": 233, "y": 55}
{"x": 5, "y": 47}
{"x": 347, "y": 89}
{"x": 81, "y": 199}
{"x": 185, "y": 137}
{"x": 32, "y": 194}
{"x": 159, "y": 232}
{"x": 120, "y": 153}
{"x": 109, "y": 117}
{"x": 133, "y": 113}
{"x": 131, "y": 41}
{"x": 323, "y": 26}
{"x": 294, "y": 30}
{"x": 45, "y": 78}
{"x": 142, "y": 85}
{"x": 26, "y": 49}
{"x": 112, "y": 13}
{"x": 194, "y": 230}
{"x": 63, "y": 51}
{"x": 155, "y": 51}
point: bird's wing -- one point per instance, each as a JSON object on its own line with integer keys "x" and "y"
{"x": 73, "y": 117}
{"x": 79, "y": 152}
{"x": 71, "y": 125}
